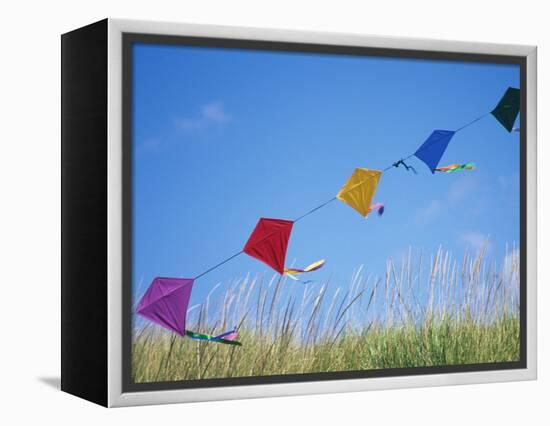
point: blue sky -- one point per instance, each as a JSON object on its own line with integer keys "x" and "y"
{"x": 222, "y": 137}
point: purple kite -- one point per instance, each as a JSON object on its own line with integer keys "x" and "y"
{"x": 165, "y": 303}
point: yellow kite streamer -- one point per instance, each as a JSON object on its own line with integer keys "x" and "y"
{"x": 359, "y": 190}
{"x": 313, "y": 267}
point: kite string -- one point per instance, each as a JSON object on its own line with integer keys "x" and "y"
{"x": 320, "y": 206}
{"x": 395, "y": 164}
{"x": 313, "y": 210}
{"x": 218, "y": 265}
{"x": 472, "y": 122}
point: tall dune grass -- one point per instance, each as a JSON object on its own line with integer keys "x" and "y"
{"x": 422, "y": 312}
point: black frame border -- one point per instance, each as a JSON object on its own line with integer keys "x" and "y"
{"x": 128, "y": 40}
{"x": 84, "y": 233}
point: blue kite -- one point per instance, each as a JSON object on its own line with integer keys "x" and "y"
{"x": 434, "y": 147}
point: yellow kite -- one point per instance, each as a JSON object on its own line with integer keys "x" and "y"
{"x": 359, "y": 190}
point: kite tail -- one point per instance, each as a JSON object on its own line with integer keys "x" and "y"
{"x": 228, "y": 335}
{"x": 454, "y": 167}
{"x": 227, "y": 338}
{"x": 313, "y": 267}
{"x": 379, "y": 207}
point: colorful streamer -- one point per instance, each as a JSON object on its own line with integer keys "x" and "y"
{"x": 379, "y": 207}
{"x": 454, "y": 167}
{"x": 227, "y": 338}
{"x": 313, "y": 267}
{"x": 232, "y": 335}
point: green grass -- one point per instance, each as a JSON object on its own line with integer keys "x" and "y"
{"x": 463, "y": 312}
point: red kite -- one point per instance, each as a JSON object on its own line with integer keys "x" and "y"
{"x": 268, "y": 242}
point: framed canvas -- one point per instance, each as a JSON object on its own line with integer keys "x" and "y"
{"x": 252, "y": 212}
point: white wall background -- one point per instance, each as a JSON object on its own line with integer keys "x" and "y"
{"x": 30, "y": 210}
